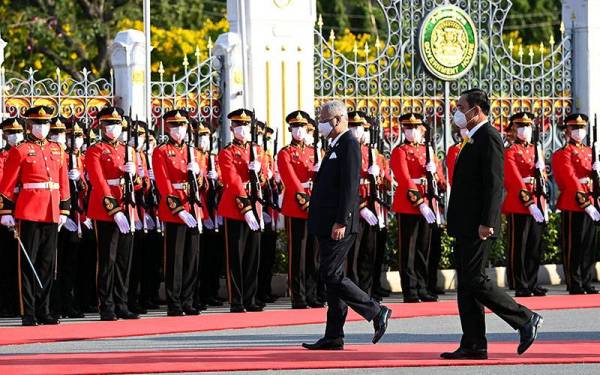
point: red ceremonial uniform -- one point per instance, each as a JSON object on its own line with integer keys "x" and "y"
{"x": 169, "y": 162}
{"x": 408, "y": 166}
{"x": 104, "y": 162}
{"x": 519, "y": 182}
{"x": 40, "y": 169}
{"x": 233, "y": 162}
{"x": 572, "y": 166}
{"x": 295, "y": 163}
{"x": 453, "y": 152}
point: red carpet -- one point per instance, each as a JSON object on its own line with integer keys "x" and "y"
{"x": 215, "y": 322}
{"x": 274, "y": 358}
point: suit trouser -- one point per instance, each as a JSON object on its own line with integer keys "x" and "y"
{"x": 414, "y": 243}
{"x": 40, "y": 241}
{"x": 9, "y": 273}
{"x": 579, "y": 242}
{"x": 211, "y": 263}
{"x": 476, "y": 291}
{"x": 435, "y": 254}
{"x": 341, "y": 291}
{"x": 63, "y": 295}
{"x": 361, "y": 257}
{"x": 524, "y": 251}
{"x": 114, "y": 264}
{"x": 303, "y": 265}
{"x": 182, "y": 248}
{"x": 242, "y": 249}
{"x": 380, "y": 252}
{"x": 268, "y": 250}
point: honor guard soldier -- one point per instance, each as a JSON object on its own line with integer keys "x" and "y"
{"x": 12, "y": 131}
{"x": 41, "y": 208}
{"x": 415, "y": 217}
{"x": 177, "y": 169}
{"x": 296, "y": 164}
{"x": 111, "y": 207}
{"x": 525, "y": 220}
{"x": 241, "y": 208}
{"x": 573, "y": 167}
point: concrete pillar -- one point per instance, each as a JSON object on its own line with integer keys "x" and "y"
{"x": 127, "y": 57}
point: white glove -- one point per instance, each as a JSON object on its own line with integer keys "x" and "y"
{"x": 213, "y": 175}
{"x": 374, "y": 170}
{"x": 88, "y": 223}
{"x": 427, "y": 213}
{"x": 62, "y": 219}
{"x": 194, "y": 167}
{"x": 254, "y": 166}
{"x": 70, "y": 225}
{"x": 219, "y": 220}
{"x": 269, "y": 174}
{"x": 536, "y": 213}
{"x": 431, "y": 167}
{"x": 7, "y": 221}
{"x": 316, "y": 167}
{"x": 596, "y": 166}
{"x": 591, "y": 211}
{"x": 129, "y": 167}
{"x": 151, "y": 174}
{"x": 540, "y": 164}
{"x": 251, "y": 220}
{"x": 149, "y": 221}
{"x": 140, "y": 171}
{"x": 369, "y": 216}
{"x": 267, "y": 218}
{"x": 138, "y": 225}
{"x": 188, "y": 219}
{"x": 122, "y": 222}
{"x": 74, "y": 175}
{"x": 277, "y": 177}
{"x": 208, "y": 223}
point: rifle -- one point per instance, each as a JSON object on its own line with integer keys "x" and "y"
{"x": 194, "y": 197}
{"x": 129, "y": 195}
{"x": 595, "y": 174}
{"x": 541, "y": 191}
{"x": 140, "y": 204}
{"x": 273, "y": 186}
{"x": 212, "y": 196}
{"x": 255, "y": 190}
{"x": 73, "y": 188}
{"x": 432, "y": 193}
{"x": 373, "y": 188}
{"x": 152, "y": 199}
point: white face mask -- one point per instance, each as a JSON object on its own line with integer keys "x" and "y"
{"x": 299, "y": 133}
{"x": 412, "y": 135}
{"x": 60, "y": 138}
{"x": 309, "y": 139}
{"x": 464, "y": 133}
{"x": 123, "y": 137}
{"x": 578, "y": 135}
{"x": 78, "y": 143}
{"x": 366, "y": 138}
{"x": 14, "y": 138}
{"x": 242, "y": 133}
{"x": 141, "y": 140}
{"x": 204, "y": 143}
{"x": 460, "y": 118}
{"x": 524, "y": 133}
{"x": 177, "y": 133}
{"x": 357, "y": 132}
{"x": 325, "y": 129}
{"x": 113, "y": 131}
{"x": 40, "y": 131}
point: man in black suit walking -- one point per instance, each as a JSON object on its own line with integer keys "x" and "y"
{"x": 474, "y": 220}
{"x": 333, "y": 219}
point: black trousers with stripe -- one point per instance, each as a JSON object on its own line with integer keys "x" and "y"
{"x": 303, "y": 266}
{"x": 414, "y": 243}
{"x": 242, "y": 249}
{"x": 361, "y": 258}
{"x": 182, "y": 250}
{"x": 9, "y": 274}
{"x": 67, "y": 288}
{"x": 579, "y": 243}
{"x": 524, "y": 251}
{"x": 380, "y": 253}
{"x": 212, "y": 259}
{"x": 268, "y": 252}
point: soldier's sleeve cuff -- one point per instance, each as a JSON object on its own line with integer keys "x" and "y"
{"x": 582, "y": 199}
{"x": 243, "y": 204}
{"x": 303, "y": 200}
{"x": 174, "y": 204}
{"x": 363, "y": 204}
{"x": 65, "y": 207}
{"x": 414, "y": 198}
{"x": 526, "y": 197}
{"x": 111, "y": 205}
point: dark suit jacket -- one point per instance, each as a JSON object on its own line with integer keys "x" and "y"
{"x": 477, "y": 185}
{"x": 335, "y": 195}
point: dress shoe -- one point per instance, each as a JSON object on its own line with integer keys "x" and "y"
{"x": 260, "y": 303}
{"x": 149, "y": 305}
{"x": 437, "y": 291}
{"x": 523, "y": 293}
{"x": 590, "y": 290}
{"x": 191, "y": 311}
{"x": 237, "y": 309}
{"x": 573, "y": 291}
{"x": 73, "y": 314}
{"x": 138, "y": 310}
{"x": 109, "y": 317}
{"x": 200, "y": 306}
{"x": 411, "y": 299}
{"x": 428, "y": 298}
{"x": 47, "y": 320}
{"x": 299, "y": 306}
{"x": 382, "y": 292}
{"x": 325, "y": 344}
{"x": 539, "y": 291}
{"x": 254, "y": 308}
{"x": 211, "y": 301}
{"x": 316, "y": 304}
{"x": 529, "y": 332}
{"x": 270, "y": 299}
{"x": 462, "y": 353}
{"x": 127, "y": 315}
{"x": 174, "y": 312}
{"x": 28, "y": 321}
{"x": 380, "y": 323}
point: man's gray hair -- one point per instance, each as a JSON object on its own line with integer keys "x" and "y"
{"x": 335, "y": 108}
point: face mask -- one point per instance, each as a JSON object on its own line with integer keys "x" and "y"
{"x": 464, "y": 133}
{"x": 259, "y": 139}
{"x": 366, "y": 138}
{"x": 78, "y": 143}
{"x": 412, "y": 135}
{"x": 14, "y": 139}
{"x": 40, "y": 131}
{"x": 460, "y": 118}
{"x": 357, "y": 132}
{"x": 178, "y": 133}
{"x": 113, "y": 131}
{"x": 242, "y": 133}
{"x": 309, "y": 139}
{"x": 325, "y": 129}
{"x": 524, "y": 133}
{"x": 60, "y": 138}
{"x": 299, "y": 133}
{"x": 123, "y": 137}
{"x": 578, "y": 135}
{"x": 204, "y": 143}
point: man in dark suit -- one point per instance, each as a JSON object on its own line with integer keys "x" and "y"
{"x": 333, "y": 218}
{"x": 474, "y": 220}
